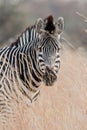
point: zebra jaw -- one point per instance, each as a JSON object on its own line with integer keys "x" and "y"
{"x": 49, "y": 77}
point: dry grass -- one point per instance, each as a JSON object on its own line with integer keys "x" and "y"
{"x": 63, "y": 106}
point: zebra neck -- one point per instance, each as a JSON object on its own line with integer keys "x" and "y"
{"x": 29, "y": 73}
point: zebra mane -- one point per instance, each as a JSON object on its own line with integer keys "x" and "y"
{"x": 17, "y": 41}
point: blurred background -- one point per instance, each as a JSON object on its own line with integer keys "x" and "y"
{"x": 16, "y": 15}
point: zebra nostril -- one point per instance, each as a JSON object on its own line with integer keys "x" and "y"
{"x": 50, "y": 67}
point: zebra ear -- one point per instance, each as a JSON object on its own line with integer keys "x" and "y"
{"x": 39, "y": 25}
{"x": 59, "y": 25}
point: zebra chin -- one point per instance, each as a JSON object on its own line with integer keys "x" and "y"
{"x": 49, "y": 77}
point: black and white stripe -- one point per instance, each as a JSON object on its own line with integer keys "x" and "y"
{"x": 26, "y": 37}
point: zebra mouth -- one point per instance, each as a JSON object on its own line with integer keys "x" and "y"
{"x": 49, "y": 77}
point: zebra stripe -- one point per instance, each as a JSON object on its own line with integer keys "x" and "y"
{"x": 26, "y": 37}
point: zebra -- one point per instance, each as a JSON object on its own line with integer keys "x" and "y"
{"x": 24, "y": 68}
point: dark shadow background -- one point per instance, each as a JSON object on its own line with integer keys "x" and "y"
{"x": 16, "y": 15}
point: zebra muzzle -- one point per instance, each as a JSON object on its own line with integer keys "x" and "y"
{"x": 49, "y": 77}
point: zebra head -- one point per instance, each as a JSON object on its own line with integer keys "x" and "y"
{"x": 48, "y": 57}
